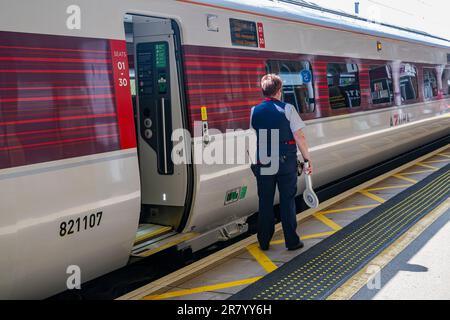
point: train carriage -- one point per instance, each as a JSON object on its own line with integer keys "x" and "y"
{"x": 91, "y": 93}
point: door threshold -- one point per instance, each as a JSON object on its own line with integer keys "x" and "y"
{"x": 164, "y": 242}
{"x": 148, "y": 232}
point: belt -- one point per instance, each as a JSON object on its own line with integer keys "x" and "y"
{"x": 290, "y": 142}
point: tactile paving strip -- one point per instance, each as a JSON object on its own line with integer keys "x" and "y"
{"x": 317, "y": 273}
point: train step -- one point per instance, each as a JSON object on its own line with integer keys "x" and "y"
{"x": 162, "y": 242}
{"x": 149, "y": 232}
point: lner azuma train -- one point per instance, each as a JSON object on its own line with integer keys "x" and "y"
{"x": 91, "y": 91}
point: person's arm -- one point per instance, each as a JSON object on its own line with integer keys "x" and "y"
{"x": 297, "y": 126}
{"x": 302, "y": 144}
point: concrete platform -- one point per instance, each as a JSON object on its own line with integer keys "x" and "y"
{"x": 420, "y": 272}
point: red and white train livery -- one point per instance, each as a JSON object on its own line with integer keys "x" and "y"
{"x": 91, "y": 91}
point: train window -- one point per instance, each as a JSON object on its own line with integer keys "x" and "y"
{"x": 298, "y": 85}
{"x": 343, "y": 85}
{"x": 408, "y": 82}
{"x": 430, "y": 84}
{"x": 446, "y": 82}
{"x": 381, "y": 84}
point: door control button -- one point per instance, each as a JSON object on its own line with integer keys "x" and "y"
{"x": 148, "y": 134}
{"x": 148, "y": 123}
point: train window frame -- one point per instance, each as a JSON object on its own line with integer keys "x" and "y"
{"x": 444, "y": 73}
{"x": 310, "y": 107}
{"x": 358, "y": 81}
{"x": 417, "y": 96}
{"x": 389, "y": 86}
{"x": 434, "y": 94}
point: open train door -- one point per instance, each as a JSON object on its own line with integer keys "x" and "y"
{"x": 159, "y": 111}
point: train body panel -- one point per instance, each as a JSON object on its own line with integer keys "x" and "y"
{"x": 76, "y": 212}
{"x": 74, "y": 177}
{"x": 339, "y": 148}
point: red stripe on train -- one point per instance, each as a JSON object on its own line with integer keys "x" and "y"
{"x": 56, "y": 98}
{"x": 71, "y": 60}
{"x": 83, "y": 71}
{"x": 108, "y": 115}
{"x": 35, "y": 145}
{"x": 52, "y": 49}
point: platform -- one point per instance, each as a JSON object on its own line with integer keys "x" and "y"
{"x": 344, "y": 225}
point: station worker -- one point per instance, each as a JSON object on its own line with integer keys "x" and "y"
{"x": 274, "y": 115}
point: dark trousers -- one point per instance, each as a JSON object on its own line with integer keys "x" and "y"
{"x": 286, "y": 180}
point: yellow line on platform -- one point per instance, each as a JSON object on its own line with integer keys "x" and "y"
{"x": 443, "y": 155}
{"x": 417, "y": 172}
{"x": 307, "y": 237}
{"x": 372, "y": 196}
{"x": 369, "y": 206}
{"x": 210, "y": 288}
{"x": 262, "y": 258}
{"x": 330, "y": 223}
{"x": 435, "y": 161}
{"x": 420, "y": 164}
{"x": 401, "y": 186}
{"x": 399, "y": 176}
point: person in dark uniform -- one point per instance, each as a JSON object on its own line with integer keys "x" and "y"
{"x": 279, "y": 132}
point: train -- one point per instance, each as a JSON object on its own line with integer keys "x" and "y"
{"x": 91, "y": 93}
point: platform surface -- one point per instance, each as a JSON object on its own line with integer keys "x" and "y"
{"x": 232, "y": 275}
{"x": 420, "y": 272}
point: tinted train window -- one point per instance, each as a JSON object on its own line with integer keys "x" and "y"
{"x": 381, "y": 84}
{"x": 298, "y": 85}
{"x": 343, "y": 85}
{"x": 430, "y": 84}
{"x": 446, "y": 82}
{"x": 408, "y": 82}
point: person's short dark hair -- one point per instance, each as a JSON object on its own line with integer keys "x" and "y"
{"x": 271, "y": 84}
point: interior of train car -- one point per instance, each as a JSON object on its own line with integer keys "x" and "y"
{"x": 155, "y": 76}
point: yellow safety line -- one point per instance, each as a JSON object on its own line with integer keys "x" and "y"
{"x": 435, "y": 161}
{"x": 307, "y": 237}
{"x": 152, "y": 234}
{"x": 399, "y": 176}
{"x": 330, "y": 223}
{"x": 372, "y": 196}
{"x": 417, "y": 172}
{"x": 401, "y": 186}
{"x": 398, "y": 210}
{"x": 210, "y": 288}
{"x": 420, "y": 164}
{"x": 443, "y": 155}
{"x": 262, "y": 258}
{"x": 369, "y": 206}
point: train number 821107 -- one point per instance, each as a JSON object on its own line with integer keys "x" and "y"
{"x": 67, "y": 228}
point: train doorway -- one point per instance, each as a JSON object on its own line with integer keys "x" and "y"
{"x": 155, "y": 77}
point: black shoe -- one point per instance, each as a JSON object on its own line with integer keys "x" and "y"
{"x": 299, "y": 246}
{"x": 263, "y": 248}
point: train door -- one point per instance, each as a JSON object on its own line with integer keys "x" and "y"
{"x": 158, "y": 112}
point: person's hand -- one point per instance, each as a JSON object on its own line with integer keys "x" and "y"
{"x": 308, "y": 170}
